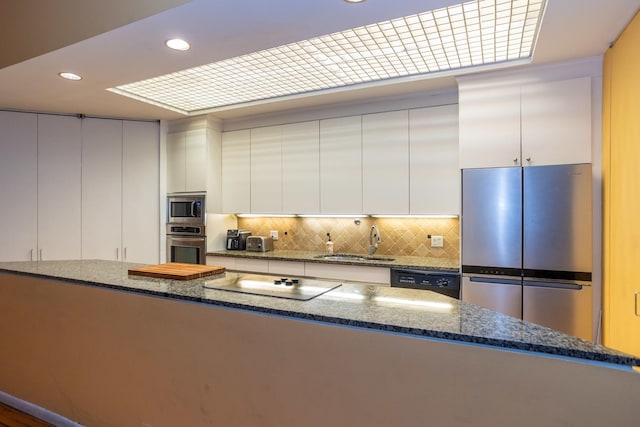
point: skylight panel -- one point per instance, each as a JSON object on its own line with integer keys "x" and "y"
{"x": 469, "y": 34}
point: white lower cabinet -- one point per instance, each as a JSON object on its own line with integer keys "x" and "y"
{"x": 59, "y": 187}
{"x": 18, "y": 186}
{"x": 293, "y": 268}
{"x": 351, "y": 273}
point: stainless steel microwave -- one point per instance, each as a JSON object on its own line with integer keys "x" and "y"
{"x": 186, "y": 209}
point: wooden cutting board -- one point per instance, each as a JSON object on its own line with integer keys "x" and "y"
{"x": 176, "y": 271}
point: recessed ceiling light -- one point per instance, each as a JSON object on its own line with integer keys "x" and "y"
{"x": 461, "y": 36}
{"x": 178, "y": 44}
{"x": 354, "y": 1}
{"x": 69, "y": 76}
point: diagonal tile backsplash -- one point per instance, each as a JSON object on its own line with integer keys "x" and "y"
{"x": 404, "y": 236}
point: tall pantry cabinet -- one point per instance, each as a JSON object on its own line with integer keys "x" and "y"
{"x": 18, "y": 185}
{"x": 59, "y": 187}
{"x": 74, "y": 188}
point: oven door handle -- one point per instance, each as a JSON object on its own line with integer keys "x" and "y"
{"x": 193, "y": 209}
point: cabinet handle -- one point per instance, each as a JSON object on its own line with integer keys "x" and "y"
{"x": 515, "y": 160}
{"x": 125, "y": 255}
{"x": 30, "y": 254}
{"x": 528, "y": 159}
{"x": 40, "y": 254}
{"x": 117, "y": 254}
{"x": 636, "y": 307}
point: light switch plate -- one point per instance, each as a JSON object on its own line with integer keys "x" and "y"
{"x": 437, "y": 241}
{"x": 274, "y": 234}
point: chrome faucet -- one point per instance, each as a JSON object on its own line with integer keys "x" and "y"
{"x": 374, "y": 239}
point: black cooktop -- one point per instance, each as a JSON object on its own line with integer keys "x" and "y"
{"x": 302, "y": 289}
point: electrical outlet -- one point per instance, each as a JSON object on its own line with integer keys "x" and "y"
{"x": 437, "y": 241}
{"x": 274, "y": 234}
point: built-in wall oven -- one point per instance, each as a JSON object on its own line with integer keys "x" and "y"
{"x": 186, "y": 222}
{"x": 186, "y": 243}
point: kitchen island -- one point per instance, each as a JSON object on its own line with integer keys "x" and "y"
{"x": 85, "y": 331}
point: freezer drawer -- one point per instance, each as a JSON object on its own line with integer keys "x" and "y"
{"x": 501, "y": 294}
{"x": 565, "y": 307}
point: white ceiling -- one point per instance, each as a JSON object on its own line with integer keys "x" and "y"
{"x": 222, "y": 29}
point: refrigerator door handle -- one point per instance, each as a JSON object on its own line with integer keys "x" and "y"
{"x": 636, "y": 307}
{"x": 497, "y": 281}
{"x": 554, "y": 285}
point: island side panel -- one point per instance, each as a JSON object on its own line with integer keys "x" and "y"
{"x": 103, "y": 357}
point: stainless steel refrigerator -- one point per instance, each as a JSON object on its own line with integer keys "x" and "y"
{"x": 527, "y": 244}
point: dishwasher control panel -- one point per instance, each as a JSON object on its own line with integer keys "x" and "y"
{"x": 441, "y": 282}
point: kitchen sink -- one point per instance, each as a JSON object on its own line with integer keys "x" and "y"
{"x": 349, "y": 257}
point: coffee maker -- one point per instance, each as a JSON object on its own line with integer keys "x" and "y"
{"x": 237, "y": 240}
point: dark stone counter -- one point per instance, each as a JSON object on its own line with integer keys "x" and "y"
{"x": 379, "y": 308}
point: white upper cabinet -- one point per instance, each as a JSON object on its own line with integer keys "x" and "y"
{"x": 18, "y": 185}
{"x": 301, "y": 168}
{"x": 236, "y": 171}
{"x": 556, "y": 122}
{"x": 266, "y": 170}
{"x": 435, "y": 173}
{"x": 59, "y": 187}
{"x": 187, "y": 161}
{"x": 341, "y": 165}
{"x": 385, "y": 163}
{"x": 532, "y": 124}
{"x": 489, "y": 126}
{"x": 101, "y": 189}
{"x": 141, "y": 192}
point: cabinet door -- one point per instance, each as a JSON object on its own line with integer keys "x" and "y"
{"x": 556, "y": 122}
{"x": 385, "y": 163}
{"x": 176, "y": 162}
{"x": 140, "y": 192}
{"x": 301, "y": 168}
{"x": 341, "y": 165}
{"x": 266, "y": 170}
{"x": 196, "y": 160}
{"x": 18, "y": 185}
{"x": 59, "y": 191}
{"x": 236, "y": 171}
{"x": 101, "y": 189}
{"x": 489, "y": 126}
{"x": 434, "y": 168}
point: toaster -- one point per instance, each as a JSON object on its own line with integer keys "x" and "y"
{"x": 259, "y": 244}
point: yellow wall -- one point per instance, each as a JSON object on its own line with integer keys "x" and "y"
{"x": 621, "y": 188}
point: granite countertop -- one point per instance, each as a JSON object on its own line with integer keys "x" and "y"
{"x": 404, "y": 311}
{"x": 414, "y": 262}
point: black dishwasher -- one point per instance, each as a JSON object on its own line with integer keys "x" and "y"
{"x": 446, "y": 283}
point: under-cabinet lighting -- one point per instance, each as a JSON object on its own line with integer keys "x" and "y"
{"x": 415, "y": 216}
{"x": 265, "y": 216}
{"x": 331, "y": 216}
{"x": 494, "y": 33}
